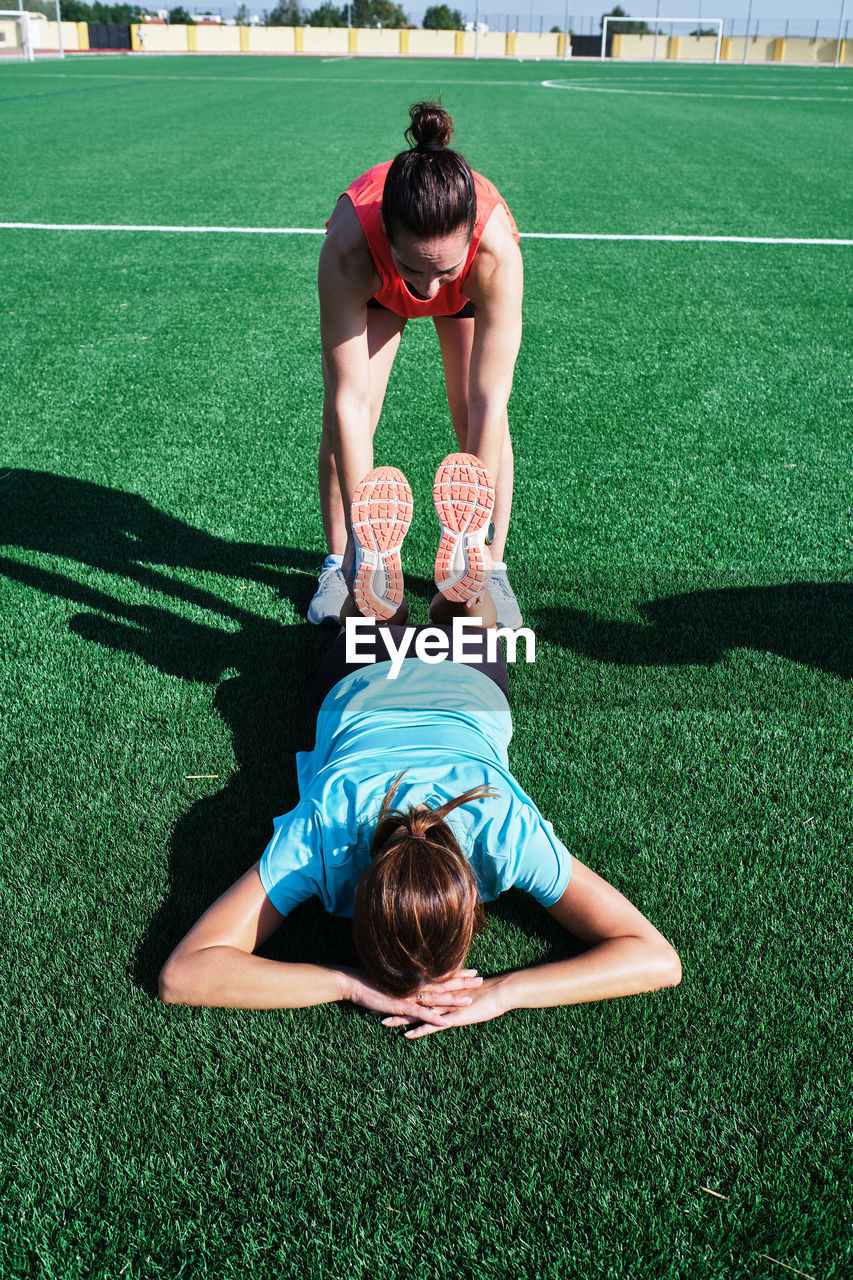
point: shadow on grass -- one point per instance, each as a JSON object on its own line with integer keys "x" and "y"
{"x": 523, "y": 913}
{"x": 805, "y": 622}
{"x": 266, "y": 702}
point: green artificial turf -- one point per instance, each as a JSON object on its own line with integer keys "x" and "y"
{"x": 681, "y": 545}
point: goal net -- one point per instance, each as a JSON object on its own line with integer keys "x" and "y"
{"x": 654, "y": 29}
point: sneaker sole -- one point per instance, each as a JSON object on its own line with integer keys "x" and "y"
{"x": 381, "y": 515}
{"x": 464, "y": 499}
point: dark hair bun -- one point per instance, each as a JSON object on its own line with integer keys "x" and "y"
{"x": 431, "y": 127}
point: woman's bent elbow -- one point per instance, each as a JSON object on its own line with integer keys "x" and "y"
{"x": 670, "y": 967}
{"x": 169, "y": 984}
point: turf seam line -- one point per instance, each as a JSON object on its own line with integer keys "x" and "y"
{"x": 321, "y": 231}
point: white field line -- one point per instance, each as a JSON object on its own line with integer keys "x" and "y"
{"x": 281, "y": 81}
{"x": 577, "y": 86}
{"x": 122, "y": 226}
{"x": 688, "y": 93}
{"x": 587, "y": 85}
{"x": 320, "y": 231}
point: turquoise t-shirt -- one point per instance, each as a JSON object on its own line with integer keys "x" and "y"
{"x": 446, "y": 727}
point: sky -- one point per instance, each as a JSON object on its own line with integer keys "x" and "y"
{"x": 771, "y": 15}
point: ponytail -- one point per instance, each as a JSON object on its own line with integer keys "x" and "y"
{"x": 429, "y": 190}
{"x": 416, "y": 906}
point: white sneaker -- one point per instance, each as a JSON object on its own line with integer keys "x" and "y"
{"x": 509, "y": 614}
{"x": 328, "y": 600}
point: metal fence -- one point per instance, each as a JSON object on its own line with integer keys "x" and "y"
{"x": 589, "y": 24}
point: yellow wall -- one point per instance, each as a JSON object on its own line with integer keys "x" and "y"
{"x": 531, "y": 45}
{"x": 801, "y": 49}
{"x": 45, "y": 34}
{"x": 50, "y": 35}
{"x": 271, "y": 39}
{"x": 764, "y": 49}
{"x": 760, "y": 50}
{"x": 443, "y": 44}
{"x": 433, "y": 44}
{"x": 491, "y": 45}
{"x": 162, "y": 39}
{"x": 9, "y": 31}
{"x": 214, "y": 39}
{"x": 330, "y": 40}
{"x": 370, "y": 40}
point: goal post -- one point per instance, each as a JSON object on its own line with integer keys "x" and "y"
{"x": 26, "y": 21}
{"x": 22, "y": 16}
{"x": 692, "y": 22}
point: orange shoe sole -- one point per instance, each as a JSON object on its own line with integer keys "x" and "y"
{"x": 381, "y": 515}
{"x": 464, "y": 497}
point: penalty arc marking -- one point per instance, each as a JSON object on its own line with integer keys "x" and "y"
{"x": 685, "y": 93}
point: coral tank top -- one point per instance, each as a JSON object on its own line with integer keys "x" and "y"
{"x": 366, "y": 196}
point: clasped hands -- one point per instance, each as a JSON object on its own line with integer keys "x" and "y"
{"x": 458, "y": 1000}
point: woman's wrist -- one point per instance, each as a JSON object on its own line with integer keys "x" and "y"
{"x": 349, "y": 981}
{"x": 505, "y": 989}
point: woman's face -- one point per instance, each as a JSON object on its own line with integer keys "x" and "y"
{"x": 425, "y": 265}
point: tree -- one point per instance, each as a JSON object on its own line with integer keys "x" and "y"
{"x": 440, "y": 18}
{"x": 624, "y": 28}
{"x": 704, "y": 31}
{"x": 241, "y": 17}
{"x": 180, "y": 18}
{"x": 287, "y": 14}
{"x": 76, "y": 11}
{"x": 328, "y": 16}
{"x": 43, "y": 7}
{"x": 378, "y": 13}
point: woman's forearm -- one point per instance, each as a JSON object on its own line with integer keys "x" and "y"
{"x": 487, "y": 427}
{"x": 226, "y": 977}
{"x": 615, "y": 967}
{"x": 352, "y": 444}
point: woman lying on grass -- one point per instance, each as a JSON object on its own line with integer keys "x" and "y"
{"x": 408, "y": 820}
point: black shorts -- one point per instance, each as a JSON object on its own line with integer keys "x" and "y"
{"x": 465, "y": 313}
{"x": 334, "y": 666}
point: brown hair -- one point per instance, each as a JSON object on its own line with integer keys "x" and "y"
{"x": 415, "y": 913}
{"x": 429, "y": 190}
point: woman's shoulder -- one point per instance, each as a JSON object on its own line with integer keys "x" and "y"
{"x": 367, "y": 188}
{"x": 517, "y": 848}
{"x": 345, "y": 258}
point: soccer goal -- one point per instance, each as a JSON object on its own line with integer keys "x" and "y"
{"x": 23, "y": 17}
{"x": 31, "y": 26}
{"x": 695, "y": 23}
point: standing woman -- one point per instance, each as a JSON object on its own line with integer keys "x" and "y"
{"x": 421, "y": 235}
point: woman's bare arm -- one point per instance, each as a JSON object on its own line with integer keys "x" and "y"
{"x": 627, "y": 955}
{"x": 346, "y": 278}
{"x": 495, "y": 286}
{"x": 215, "y": 965}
